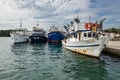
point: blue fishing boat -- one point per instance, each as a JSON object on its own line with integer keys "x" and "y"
{"x": 55, "y": 35}
{"x": 38, "y": 35}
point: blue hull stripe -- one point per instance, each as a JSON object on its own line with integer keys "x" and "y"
{"x": 85, "y": 45}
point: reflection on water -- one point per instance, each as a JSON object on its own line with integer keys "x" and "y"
{"x": 83, "y": 68}
{"x": 52, "y": 62}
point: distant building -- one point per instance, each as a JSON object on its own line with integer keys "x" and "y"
{"x": 111, "y": 35}
{"x": 114, "y": 36}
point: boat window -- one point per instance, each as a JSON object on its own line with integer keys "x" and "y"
{"x": 89, "y": 34}
{"x": 94, "y": 34}
{"x": 75, "y": 35}
{"x": 37, "y": 37}
{"x": 85, "y": 34}
{"x": 79, "y": 36}
{"x": 34, "y": 37}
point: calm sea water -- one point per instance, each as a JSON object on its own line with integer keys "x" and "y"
{"x": 52, "y": 62}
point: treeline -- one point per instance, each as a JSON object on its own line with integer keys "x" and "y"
{"x": 114, "y": 30}
{"x": 5, "y": 33}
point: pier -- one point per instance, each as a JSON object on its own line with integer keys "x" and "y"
{"x": 113, "y": 47}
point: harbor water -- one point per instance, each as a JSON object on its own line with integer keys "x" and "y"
{"x": 52, "y": 62}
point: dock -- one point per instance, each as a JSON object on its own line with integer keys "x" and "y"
{"x": 112, "y": 47}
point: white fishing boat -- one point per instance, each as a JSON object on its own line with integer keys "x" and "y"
{"x": 19, "y": 35}
{"x": 85, "y": 41}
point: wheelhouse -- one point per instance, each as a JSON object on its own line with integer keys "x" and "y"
{"x": 84, "y": 35}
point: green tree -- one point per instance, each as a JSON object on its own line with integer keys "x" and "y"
{"x": 5, "y": 33}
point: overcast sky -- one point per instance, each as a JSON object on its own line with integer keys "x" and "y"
{"x": 58, "y": 12}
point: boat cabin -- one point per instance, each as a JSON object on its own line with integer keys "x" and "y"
{"x": 38, "y": 32}
{"x": 84, "y": 35}
{"x": 20, "y": 31}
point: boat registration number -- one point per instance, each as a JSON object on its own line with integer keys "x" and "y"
{"x": 81, "y": 50}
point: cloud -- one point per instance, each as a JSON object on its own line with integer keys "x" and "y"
{"x": 108, "y": 9}
{"x": 58, "y": 12}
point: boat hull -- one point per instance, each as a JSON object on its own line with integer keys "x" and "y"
{"x": 55, "y": 36}
{"x": 92, "y": 49}
{"x": 18, "y": 38}
{"x": 38, "y": 39}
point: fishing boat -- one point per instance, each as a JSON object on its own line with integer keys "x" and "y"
{"x": 86, "y": 39}
{"x": 38, "y": 35}
{"x": 19, "y": 35}
{"x": 55, "y": 35}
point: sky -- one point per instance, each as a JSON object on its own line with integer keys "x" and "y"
{"x": 57, "y": 12}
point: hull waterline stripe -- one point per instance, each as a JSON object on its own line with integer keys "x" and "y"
{"x": 84, "y": 45}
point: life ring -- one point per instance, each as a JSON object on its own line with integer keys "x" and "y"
{"x": 88, "y": 26}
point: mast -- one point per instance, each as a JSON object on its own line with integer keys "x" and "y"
{"x": 89, "y": 19}
{"x": 37, "y": 24}
{"x": 21, "y": 23}
{"x": 101, "y": 23}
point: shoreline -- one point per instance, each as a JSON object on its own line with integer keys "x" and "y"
{"x": 112, "y": 47}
